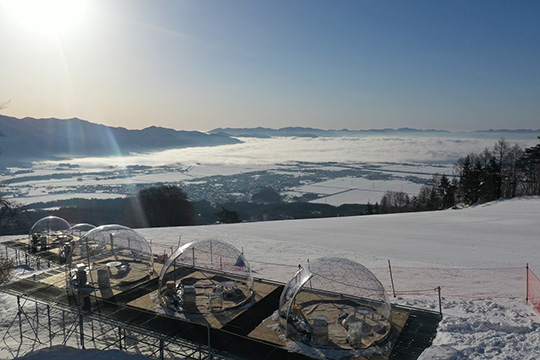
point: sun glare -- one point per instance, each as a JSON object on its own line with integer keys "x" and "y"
{"x": 48, "y": 17}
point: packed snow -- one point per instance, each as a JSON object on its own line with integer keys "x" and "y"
{"x": 476, "y": 255}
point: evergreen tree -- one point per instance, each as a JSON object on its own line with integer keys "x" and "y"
{"x": 447, "y": 192}
{"x": 228, "y": 216}
{"x": 490, "y": 182}
{"x": 529, "y": 164}
{"x": 514, "y": 175}
{"x": 469, "y": 181}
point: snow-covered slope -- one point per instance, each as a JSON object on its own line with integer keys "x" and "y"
{"x": 477, "y": 255}
{"x": 498, "y": 234}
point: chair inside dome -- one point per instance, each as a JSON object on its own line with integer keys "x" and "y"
{"x": 110, "y": 256}
{"x": 205, "y": 277}
{"x": 336, "y": 303}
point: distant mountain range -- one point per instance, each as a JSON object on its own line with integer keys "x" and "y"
{"x": 32, "y": 139}
{"x": 261, "y": 132}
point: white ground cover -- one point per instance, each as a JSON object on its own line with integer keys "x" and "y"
{"x": 420, "y": 155}
{"x": 476, "y": 255}
{"x": 42, "y": 196}
{"x": 350, "y": 190}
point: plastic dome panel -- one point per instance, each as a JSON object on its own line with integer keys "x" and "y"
{"x": 47, "y": 233}
{"x": 50, "y": 226}
{"x": 110, "y": 256}
{"x": 80, "y": 229}
{"x": 340, "y": 293}
{"x": 205, "y": 277}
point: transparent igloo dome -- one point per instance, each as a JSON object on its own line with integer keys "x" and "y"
{"x": 335, "y": 302}
{"x": 47, "y": 233}
{"x": 205, "y": 277}
{"x": 80, "y": 229}
{"x": 110, "y": 256}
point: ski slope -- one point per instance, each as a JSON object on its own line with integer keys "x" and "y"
{"x": 476, "y": 255}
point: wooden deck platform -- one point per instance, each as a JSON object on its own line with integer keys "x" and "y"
{"x": 245, "y": 332}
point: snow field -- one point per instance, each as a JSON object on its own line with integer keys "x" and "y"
{"x": 477, "y": 255}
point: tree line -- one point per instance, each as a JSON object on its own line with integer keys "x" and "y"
{"x": 169, "y": 205}
{"x": 500, "y": 172}
{"x": 157, "y": 206}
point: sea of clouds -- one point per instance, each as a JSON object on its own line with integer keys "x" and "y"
{"x": 369, "y": 149}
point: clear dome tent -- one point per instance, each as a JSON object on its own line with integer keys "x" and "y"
{"x": 48, "y": 232}
{"x": 75, "y": 232}
{"x": 110, "y": 256}
{"x": 50, "y": 225}
{"x": 80, "y": 229}
{"x": 335, "y": 302}
{"x": 205, "y": 277}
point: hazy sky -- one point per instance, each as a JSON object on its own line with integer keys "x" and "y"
{"x": 455, "y": 65}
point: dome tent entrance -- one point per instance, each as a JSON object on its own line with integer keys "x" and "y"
{"x": 204, "y": 277}
{"x": 110, "y": 256}
{"x": 335, "y": 302}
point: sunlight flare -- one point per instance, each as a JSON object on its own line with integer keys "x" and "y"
{"x": 50, "y": 18}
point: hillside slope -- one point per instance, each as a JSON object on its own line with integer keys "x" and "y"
{"x": 32, "y": 139}
{"x": 476, "y": 255}
{"x": 498, "y": 234}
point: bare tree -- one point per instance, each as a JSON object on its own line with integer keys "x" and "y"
{"x": 394, "y": 202}
{"x": 530, "y": 167}
{"x": 166, "y": 205}
{"x": 514, "y": 174}
{"x": 8, "y": 209}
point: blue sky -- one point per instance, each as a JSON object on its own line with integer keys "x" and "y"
{"x": 455, "y": 65}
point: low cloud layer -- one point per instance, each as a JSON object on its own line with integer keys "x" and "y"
{"x": 431, "y": 149}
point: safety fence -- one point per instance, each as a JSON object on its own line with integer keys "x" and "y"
{"x": 403, "y": 281}
{"x": 533, "y": 289}
{"x": 163, "y": 251}
{"x": 399, "y": 281}
{"x": 473, "y": 283}
{"x": 35, "y": 325}
{"x": 19, "y": 257}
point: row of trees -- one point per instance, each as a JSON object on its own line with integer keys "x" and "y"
{"x": 503, "y": 171}
{"x": 152, "y": 207}
{"x": 440, "y": 193}
{"x": 169, "y": 206}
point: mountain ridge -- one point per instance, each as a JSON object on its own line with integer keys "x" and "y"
{"x": 262, "y": 132}
{"x": 30, "y": 139}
